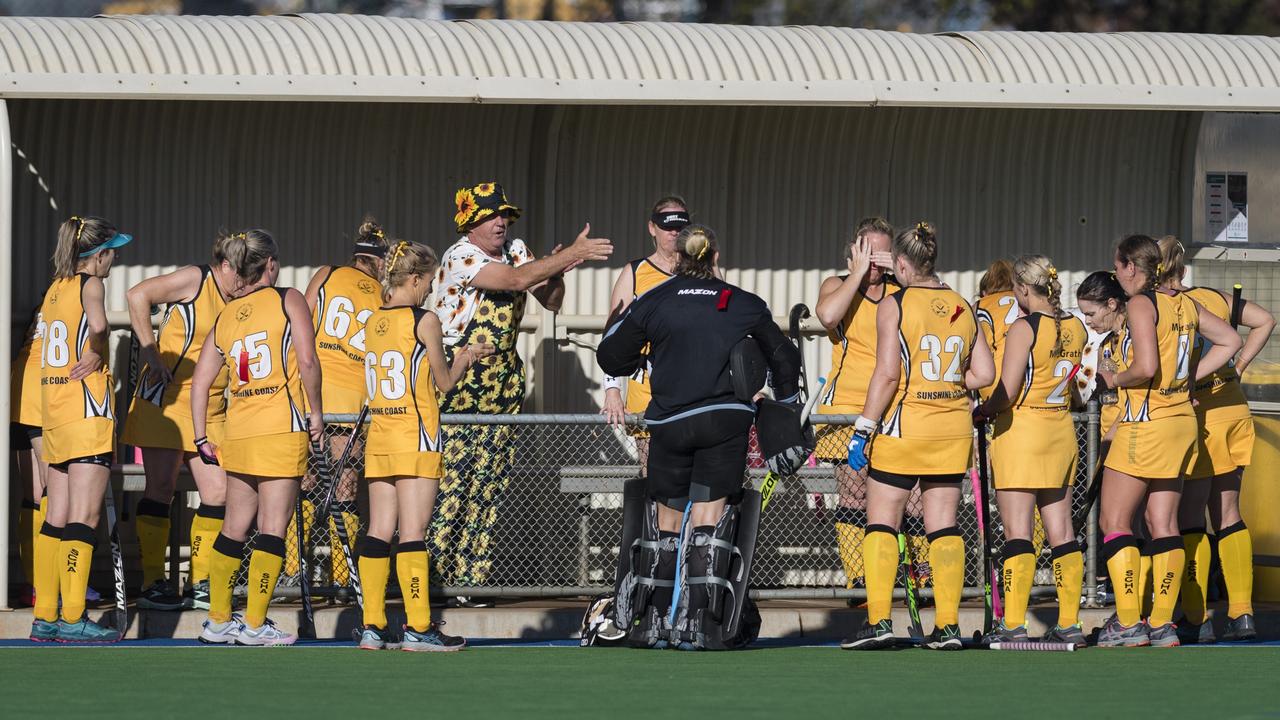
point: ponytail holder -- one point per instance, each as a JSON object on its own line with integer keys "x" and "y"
{"x": 396, "y": 255}
{"x": 379, "y": 234}
{"x": 705, "y": 244}
{"x": 241, "y": 235}
{"x": 79, "y": 227}
{"x": 1159, "y": 268}
{"x": 1053, "y": 272}
{"x": 921, "y": 227}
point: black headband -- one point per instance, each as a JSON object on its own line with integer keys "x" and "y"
{"x": 373, "y": 249}
{"x": 671, "y": 219}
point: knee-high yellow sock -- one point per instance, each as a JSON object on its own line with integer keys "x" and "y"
{"x": 264, "y": 570}
{"x": 44, "y": 574}
{"x": 337, "y": 559}
{"x": 1123, "y": 561}
{"x": 1068, "y": 577}
{"x": 1016, "y": 577}
{"x": 27, "y": 531}
{"x": 1235, "y": 552}
{"x": 946, "y": 555}
{"x": 75, "y": 558}
{"x": 205, "y": 527}
{"x": 224, "y": 561}
{"x": 291, "y": 566}
{"x": 375, "y": 568}
{"x": 153, "y": 537}
{"x": 411, "y": 569}
{"x": 880, "y": 556}
{"x": 1195, "y": 581}
{"x": 1168, "y": 559}
{"x": 850, "y": 528}
{"x": 1144, "y": 577}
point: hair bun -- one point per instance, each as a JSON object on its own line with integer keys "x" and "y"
{"x": 695, "y": 246}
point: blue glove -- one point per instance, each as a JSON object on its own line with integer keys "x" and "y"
{"x": 858, "y": 450}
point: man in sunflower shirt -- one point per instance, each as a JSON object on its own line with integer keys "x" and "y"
{"x": 479, "y": 296}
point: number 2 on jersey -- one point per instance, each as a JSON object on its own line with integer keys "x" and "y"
{"x": 1059, "y": 395}
{"x": 931, "y": 368}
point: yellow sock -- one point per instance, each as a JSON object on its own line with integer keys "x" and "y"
{"x": 27, "y": 531}
{"x": 205, "y": 527}
{"x": 1235, "y": 552}
{"x": 338, "y": 560}
{"x": 1016, "y": 577}
{"x": 880, "y": 556}
{"x": 291, "y": 566}
{"x": 1123, "y": 560}
{"x": 411, "y": 569}
{"x": 75, "y": 557}
{"x": 1144, "y": 578}
{"x": 153, "y": 538}
{"x": 1068, "y": 577}
{"x": 224, "y": 561}
{"x": 375, "y": 568}
{"x": 1168, "y": 559}
{"x": 1195, "y": 582}
{"x": 44, "y": 575}
{"x": 850, "y": 529}
{"x": 946, "y": 555}
{"x": 264, "y": 570}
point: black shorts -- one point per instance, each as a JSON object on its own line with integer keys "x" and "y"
{"x": 699, "y": 458}
{"x": 908, "y": 482}
{"x": 20, "y": 436}
{"x": 103, "y": 459}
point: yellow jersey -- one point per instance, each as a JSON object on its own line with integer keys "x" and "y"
{"x": 346, "y": 299}
{"x": 936, "y": 333}
{"x": 645, "y": 276}
{"x": 253, "y": 333}
{"x": 182, "y": 335}
{"x": 65, "y": 333}
{"x": 1046, "y": 385}
{"x": 853, "y": 352}
{"x": 996, "y": 313}
{"x": 404, "y": 414}
{"x": 24, "y": 377}
{"x": 1168, "y": 393}
{"x": 1222, "y": 388}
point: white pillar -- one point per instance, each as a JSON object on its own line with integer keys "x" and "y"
{"x": 6, "y": 329}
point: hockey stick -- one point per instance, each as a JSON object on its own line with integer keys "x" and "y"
{"x": 1030, "y": 645}
{"x": 992, "y": 608}
{"x": 334, "y": 473}
{"x": 1237, "y": 307}
{"x": 109, "y": 500}
{"x": 909, "y": 588}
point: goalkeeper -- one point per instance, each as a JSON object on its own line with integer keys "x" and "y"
{"x": 699, "y": 420}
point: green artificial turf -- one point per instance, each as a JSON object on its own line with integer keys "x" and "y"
{"x": 610, "y": 683}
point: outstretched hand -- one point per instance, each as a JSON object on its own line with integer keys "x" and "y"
{"x": 588, "y": 249}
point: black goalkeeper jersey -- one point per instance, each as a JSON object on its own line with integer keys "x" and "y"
{"x": 691, "y": 326}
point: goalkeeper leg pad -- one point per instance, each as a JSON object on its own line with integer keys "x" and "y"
{"x": 715, "y": 612}
{"x": 646, "y": 569}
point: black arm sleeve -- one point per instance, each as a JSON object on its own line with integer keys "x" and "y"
{"x": 782, "y": 356}
{"x": 620, "y": 352}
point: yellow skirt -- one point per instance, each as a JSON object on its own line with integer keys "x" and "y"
{"x": 1033, "y": 450}
{"x": 1163, "y": 449}
{"x": 637, "y": 401}
{"x": 151, "y": 426}
{"x": 832, "y": 441}
{"x": 921, "y": 456}
{"x": 409, "y": 464}
{"x": 278, "y": 455}
{"x": 1223, "y": 446}
{"x": 82, "y": 438}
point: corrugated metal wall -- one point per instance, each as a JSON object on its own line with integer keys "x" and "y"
{"x": 781, "y": 185}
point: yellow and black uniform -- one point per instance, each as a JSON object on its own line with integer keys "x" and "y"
{"x": 1155, "y": 439}
{"x": 160, "y": 414}
{"x": 404, "y": 441}
{"x": 404, "y": 429}
{"x": 1034, "y": 448}
{"x": 346, "y": 299}
{"x": 266, "y": 433}
{"x": 644, "y": 277}
{"x": 24, "y": 426}
{"x": 1034, "y": 443}
{"x": 927, "y": 435}
{"x": 77, "y": 416}
{"x": 997, "y": 312}
{"x": 853, "y": 357}
{"x": 1226, "y": 443}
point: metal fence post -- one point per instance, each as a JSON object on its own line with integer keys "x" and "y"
{"x": 1092, "y": 442}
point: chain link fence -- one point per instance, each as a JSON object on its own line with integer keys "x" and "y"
{"x": 553, "y": 521}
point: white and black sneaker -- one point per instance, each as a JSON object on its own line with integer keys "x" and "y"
{"x": 871, "y": 637}
{"x": 197, "y": 596}
{"x": 947, "y": 638}
{"x": 221, "y": 633}
{"x": 265, "y": 635}
{"x": 432, "y": 640}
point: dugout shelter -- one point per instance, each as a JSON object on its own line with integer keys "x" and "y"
{"x": 780, "y": 138}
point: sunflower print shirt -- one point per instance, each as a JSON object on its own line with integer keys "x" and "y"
{"x": 454, "y": 299}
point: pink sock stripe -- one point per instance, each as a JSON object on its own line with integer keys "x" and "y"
{"x": 1113, "y": 536}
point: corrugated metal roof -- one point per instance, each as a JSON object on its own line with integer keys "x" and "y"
{"x": 354, "y": 57}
